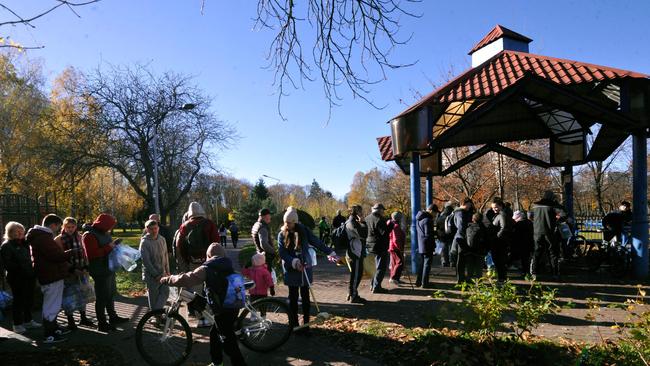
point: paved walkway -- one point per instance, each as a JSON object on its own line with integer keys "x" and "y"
{"x": 402, "y": 305}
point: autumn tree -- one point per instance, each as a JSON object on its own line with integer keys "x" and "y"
{"x": 128, "y": 106}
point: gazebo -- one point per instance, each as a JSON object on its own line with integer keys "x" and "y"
{"x": 511, "y": 95}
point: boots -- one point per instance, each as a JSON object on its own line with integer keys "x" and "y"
{"x": 71, "y": 323}
{"x": 85, "y": 321}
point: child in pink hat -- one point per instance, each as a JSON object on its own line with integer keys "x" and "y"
{"x": 261, "y": 276}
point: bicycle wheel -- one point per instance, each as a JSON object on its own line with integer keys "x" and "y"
{"x": 159, "y": 347}
{"x": 594, "y": 258}
{"x": 266, "y": 329}
{"x": 581, "y": 246}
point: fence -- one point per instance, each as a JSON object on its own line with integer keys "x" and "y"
{"x": 23, "y": 209}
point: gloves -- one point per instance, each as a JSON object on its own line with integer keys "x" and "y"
{"x": 333, "y": 257}
{"x": 272, "y": 290}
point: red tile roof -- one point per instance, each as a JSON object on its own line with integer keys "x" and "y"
{"x": 499, "y": 32}
{"x": 385, "y": 148}
{"x": 507, "y": 67}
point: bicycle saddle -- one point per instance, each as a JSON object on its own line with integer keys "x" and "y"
{"x": 249, "y": 285}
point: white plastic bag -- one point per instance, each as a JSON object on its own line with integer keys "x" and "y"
{"x": 123, "y": 256}
{"x": 312, "y": 255}
{"x": 274, "y": 276}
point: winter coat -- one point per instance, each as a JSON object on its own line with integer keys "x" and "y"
{"x": 210, "y": 233}
{"x": 522, "y": 236}
{"x": 262, "y": 278}
{"x": 462, "y": 219}
{"x": 155, "y": 260}
{"x": 501, "y": 229}
{"x": 544, "y": 218}
{"x": 377, "y": 239}
{"x": 476, "y": 239}
{"x": 397, "y": 237}
{"x": 50, "y": 261}
{"x": 426, "y": 237}
{"x": 357, "y": 234}
{"x": 95, "y": 242}
{"x": 440, "y": 225}
{"x": 262, "y": 238}
{"x": 291, "y": 254}
{"x": 17, "y": 259}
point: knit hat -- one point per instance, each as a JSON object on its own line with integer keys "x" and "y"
{"x": 258, "y": 259}
{"x": 215, "y": 250}
{"x": 195, "y": 210}
{"x": 291, "y": 215}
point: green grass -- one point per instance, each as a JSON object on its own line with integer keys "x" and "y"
{"x": 130, "y": 237}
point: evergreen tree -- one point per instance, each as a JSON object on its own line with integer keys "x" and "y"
{"x": 260, "y": 192}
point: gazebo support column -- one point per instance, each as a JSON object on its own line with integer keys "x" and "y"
{"x": 415, "y": 207}
{"x": 567, "y": 177}
{"x": 640, "y": 205}
{"x": 429, "y": 189}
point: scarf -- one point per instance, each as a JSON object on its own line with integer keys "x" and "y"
{"x": 72, "y": 241}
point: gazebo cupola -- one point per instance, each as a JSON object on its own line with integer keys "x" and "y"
{"x": 499, "y": 39}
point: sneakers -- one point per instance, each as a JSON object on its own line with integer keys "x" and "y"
{"x": 395, "y": 282}
{"x": 53, "y": 339}
{"x": 203, "y": 323}
{"x": 105, "y": 327}
{"x": 19, "y": 329}
{"x": 33, "y": 324}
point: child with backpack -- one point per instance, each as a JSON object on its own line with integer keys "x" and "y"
{"x": 261, "y": 276}
{"x": 213, "y": 272}
{"x": 476, "y": 243}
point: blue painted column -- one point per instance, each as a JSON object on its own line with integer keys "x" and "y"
{"x": 567, "y": 177}
{"x": 415, "y": 207}
{"x": 640, "y": 205}
{"x": 429, "y": 189}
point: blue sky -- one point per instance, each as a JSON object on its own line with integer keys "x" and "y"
{"x": 227, "y": 57}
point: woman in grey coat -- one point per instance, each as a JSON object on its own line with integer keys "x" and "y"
{"x": 155, "y": 265}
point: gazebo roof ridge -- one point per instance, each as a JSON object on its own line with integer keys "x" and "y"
{"x": 496, "y": 33}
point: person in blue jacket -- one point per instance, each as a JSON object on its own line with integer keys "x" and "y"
{"x": 294, "y": 240}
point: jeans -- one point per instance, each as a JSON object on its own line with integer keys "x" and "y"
{"x": 224, "y": 326}
{"x": 157, "y": 294}
{"x": 381, "y": 261}
{"x": 424, "y": 268}
{"x": 356, "y": 272}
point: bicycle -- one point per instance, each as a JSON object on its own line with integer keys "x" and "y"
{"x": 574, "y": 245}
{"x": 164, "y": 338}
{"x": 613, "y": 254}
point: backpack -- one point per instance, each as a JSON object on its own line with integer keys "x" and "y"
{"x": 225, "y": 291}
{"x": 450, "y": 226}
{"x": 340, "y": 237}
{"x": 196, "y": 240}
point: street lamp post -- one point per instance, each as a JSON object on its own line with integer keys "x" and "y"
{"x": 156, "y": 186}
{"x": 270, "y": 177}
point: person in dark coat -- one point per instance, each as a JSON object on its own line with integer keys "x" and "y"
{"x": 462, "y": 219}
{"x": 523, "y": 241}
{"x": 17, "y": 259}
{"x": 442, "y": 238}
{"x": 51, "y": 264}
{"x": 98, "y": 244}
{"x": 378, "y": 242}
{"x": 476, "y": 245}
{"x": 545, "y": 213}
{"x": 426, "y": 244}
{"x": 357, "y": 232}
{"x": 338, "y": 220}
{"x": 294, "y": 240}
{"x": 500, "y": 226}
{"x": 234, "y": 234}
{"x": 615, "y": 223}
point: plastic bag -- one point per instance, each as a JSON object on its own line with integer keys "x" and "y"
{"x": 312, "y": 255}
{"x": 5, "y": 299}
{"x": 274, "y": 276}
{"x": 87, "y": 290}
{"x": 123, "y": 256}
{"x": 71, "y": 300}
{"x": 440, "y": 246}
{"x": 369, "y": 266}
